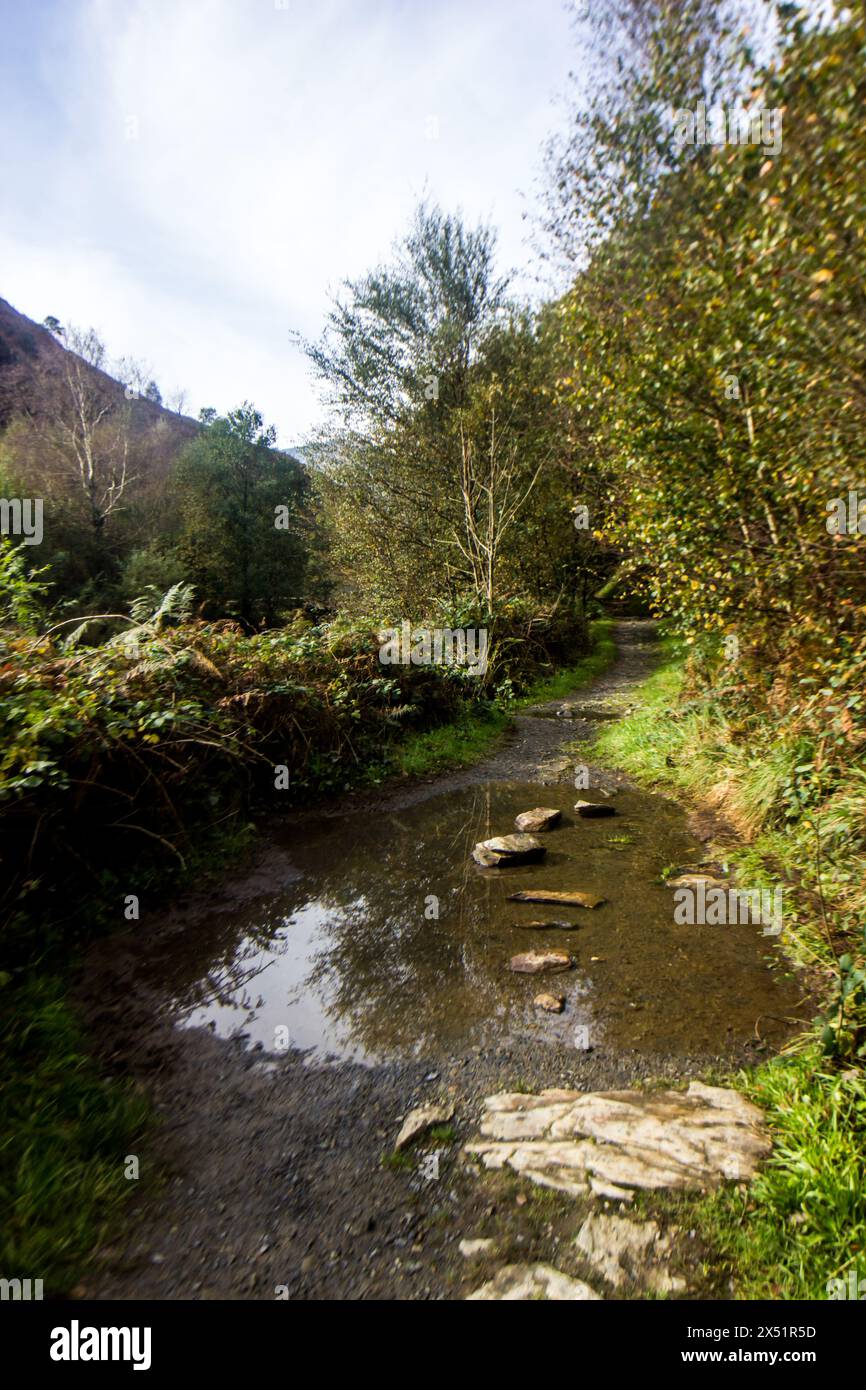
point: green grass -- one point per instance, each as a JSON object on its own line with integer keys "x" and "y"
{"x": 471, "y": 737}
{"x": 453, "y": 745}
{"x": 398, "y": 1160}
{"x": 600, "y": 655}
{"x": 803, "y": 1220}
{"x": 65, "y": 1135}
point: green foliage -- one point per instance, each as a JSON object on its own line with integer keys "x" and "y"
{"x": 410, "y": 324}
{"x": 724, "y": 328}
{"x": 242, "y": 503}
{"x": 151, "y": 568}
{"x": 126, "y": 753}
{"x": 802, "y": 1221}
{"x": 844, "y": 1023}
{"x": 21, "y": 590}
{"x": 65, "y": 1134}
{"x": 448, "y": 472}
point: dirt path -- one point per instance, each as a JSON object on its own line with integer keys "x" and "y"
{"x": 265, "y": 1177}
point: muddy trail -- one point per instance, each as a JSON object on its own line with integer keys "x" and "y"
{"x": 287, "y": 1022}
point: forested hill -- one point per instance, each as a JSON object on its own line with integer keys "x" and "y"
{"x": 30, "y": 354}
{"x": 132, "y": 500}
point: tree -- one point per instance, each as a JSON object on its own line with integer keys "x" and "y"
{"x": 86, "y": 427}
{"x": 430, "y": 461}
{"x": 648, "y": 59}
{"x": 408, "y": 332}
{"x": 244, "y": 522}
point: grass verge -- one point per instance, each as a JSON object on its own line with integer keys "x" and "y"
{"x": 466, "y": 741}
{"x": 802, "y": 1222}
{"x": 66, "y": 1136}
{"x": 473, "y": 734}
{"x": 600, "y": 655}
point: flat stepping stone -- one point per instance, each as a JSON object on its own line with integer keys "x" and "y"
{"x": 590, "y": 810}
{"x": 539, "y": 818}
{"x": 533, "y": 1283}
{"x": 508, "y": 849}
{"x": 613, "y": 1143}
{"x": 534, "y": 962}
{"x": 517, "y": 845}
{"x": 550, "y": 895}
{"x": 550, "y": 1003}
{"x": 487, "y": 859}
{"x": 624, "y": 1251}
{"x": 548, "y": 926}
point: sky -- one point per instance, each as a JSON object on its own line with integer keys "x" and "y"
{"x": 194, "y": 178}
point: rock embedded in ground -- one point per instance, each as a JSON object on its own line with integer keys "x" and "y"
{"x": 418, "y": 1121}
{"x": 552, "y": 770}
{"x": 550, "y": 895}
{"x": 548, "y": 926}
{"x": 471, "y": 1249}
{"x": 624, "y": 1251}
{"x": 612, "y": 1143}
{"x": 589, "y": 809}
{"x": 693, "y": 881}
{"x": 539, "y": 818}
{"x": 533, "y": 1283}
{"x": 534, "y": 962}
{"x": 551, "y": 1003}
{"x": 508, "y": 849}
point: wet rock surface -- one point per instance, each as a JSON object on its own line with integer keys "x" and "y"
{"x": 418, "y": 1121}
{"x": 613, "y": 1143}
{"x": 536, "y": 962}
{"x": 508, "y": 850}
{"x": 539, "y": 819}
{"x": 551, "y": 1003}
{"x": 625, "y": 1252}
{"x": 565, "y": 898}
{"x": 533, "y": 1282}
{"x": 589, "y": 810}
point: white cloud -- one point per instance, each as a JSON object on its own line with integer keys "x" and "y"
{"x": 272, "y": 152}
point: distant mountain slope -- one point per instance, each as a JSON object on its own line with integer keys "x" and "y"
{"x": 28, "y": 351}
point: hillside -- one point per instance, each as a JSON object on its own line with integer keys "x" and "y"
{"x": 30, "y": 355}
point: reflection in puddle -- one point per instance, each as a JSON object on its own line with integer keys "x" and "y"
{"x": 351, "y": 958}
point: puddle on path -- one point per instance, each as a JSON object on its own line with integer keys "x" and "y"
{"x": 347, "y": 961}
